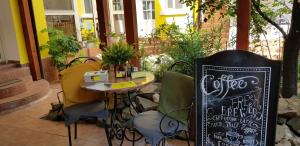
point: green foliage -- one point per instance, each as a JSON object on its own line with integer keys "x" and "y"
{"x": 91, "y": 38}
{"x": 259, "y": 24}
{"x": 167, "y": 31}
{"x": 117, "y": 53}
{"x": 187, "y": 46}
{"x": 272, "y": 9}
{"x": 60, "y": 46}
{"x": 212, "y": 39}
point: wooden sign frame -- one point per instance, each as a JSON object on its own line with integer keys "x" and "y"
{"x": 236, "y": 99}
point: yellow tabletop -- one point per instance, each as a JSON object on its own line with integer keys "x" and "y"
{"x": 138, "y": 80}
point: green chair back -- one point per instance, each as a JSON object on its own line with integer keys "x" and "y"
{"x": 177, "y": 93}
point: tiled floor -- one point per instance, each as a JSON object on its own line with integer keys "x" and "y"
{"x": 25, "y": 128}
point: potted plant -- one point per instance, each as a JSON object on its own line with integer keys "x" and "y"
{"x": 60, "y": 47}
{"x": 90, "y": 40}
{"x": 117, "y": 54}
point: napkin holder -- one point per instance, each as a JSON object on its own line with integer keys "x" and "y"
{"x": 96, "y": 76}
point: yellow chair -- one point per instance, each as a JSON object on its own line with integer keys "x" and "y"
{"x": 78, "y": 102}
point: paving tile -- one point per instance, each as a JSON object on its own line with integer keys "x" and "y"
{"x": 25, "y": 128}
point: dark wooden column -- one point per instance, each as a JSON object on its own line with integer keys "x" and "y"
{"x": 103, "y": 21}
{"x": 243, "y": 24}
{"x": 131, "y": 26}
{"x": 31, "y": 47}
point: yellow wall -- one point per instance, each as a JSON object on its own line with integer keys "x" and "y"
{"x": 161, "y": 19}
{"x": 80, "y": 5}
{"x": 158, "y": 18}
{"x": 19, "y": 31}
{"x": 40, "y": 22}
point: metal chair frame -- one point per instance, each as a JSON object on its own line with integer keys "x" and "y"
{"x": 139, "y": 108}
{"x": 75, "y": 124}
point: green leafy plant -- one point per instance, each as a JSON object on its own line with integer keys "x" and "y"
{"x": 117, "y": 53}
{"x": 192, "y": 44}
{"x": 60, "y": 46}
{"x": 91, "y": 38}
{"x": 187, "y": 48}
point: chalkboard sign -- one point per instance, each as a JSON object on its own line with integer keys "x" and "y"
{"x": 236, "y": 99}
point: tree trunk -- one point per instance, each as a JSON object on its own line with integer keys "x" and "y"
{"x": 290, "y": 60}
{"x": 199, "y": 17}
{"x": 291, "y": 52}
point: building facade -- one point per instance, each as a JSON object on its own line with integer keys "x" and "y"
{"x": 150, "y": 15}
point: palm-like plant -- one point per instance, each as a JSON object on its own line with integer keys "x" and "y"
{"x": 117, "y": 54}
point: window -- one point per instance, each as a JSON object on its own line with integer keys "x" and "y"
{"x": 174, "y": 4}
{"x": 148, "y": 9}
{"x": 118, "y": 5}
{"x": 88, "y": 7}
{"x": 58, "y": 4}
{"x": 119, "y": 24}
{"x": 60, "y": 14}
{"x": 65, "y": 23}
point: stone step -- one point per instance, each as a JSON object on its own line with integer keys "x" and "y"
{"x": 34, "y": 92}
{"x": 7, "y": 66}
{"x": 14, "y": 73}
{"x": 12, "y": 88}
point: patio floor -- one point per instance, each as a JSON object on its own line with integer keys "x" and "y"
{"x": 24, "y": 127}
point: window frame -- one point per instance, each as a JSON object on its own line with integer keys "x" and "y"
{"x": 149, "y": 10}
{"x": 120, "y": 2}
{"x": 174, "y": 5}
{"x": 166, "y": 11}
{"x": 73, "y": 12}
{"x": 72, "y": 5}
{"x": 88, "y": 15}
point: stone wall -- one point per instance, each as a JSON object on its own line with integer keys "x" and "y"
{"x": 288, "y": 123}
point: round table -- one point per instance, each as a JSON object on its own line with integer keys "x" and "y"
{"x": 121, "y": 85}
{"x": 117, "y": 86}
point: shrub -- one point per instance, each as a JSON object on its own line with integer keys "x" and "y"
{"x": 60, "y": 46}
{"x": 186, "y": 47}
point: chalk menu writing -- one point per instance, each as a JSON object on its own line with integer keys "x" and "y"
{"x": 235, "y": 105}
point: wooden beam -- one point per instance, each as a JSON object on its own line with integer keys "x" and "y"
{"x": 131, "y": 22}
{"x": 243, "y": 24}
{"x": 103, "y": 21}
{"x": 30, "y": 43}
{"x": 131, "y": 26}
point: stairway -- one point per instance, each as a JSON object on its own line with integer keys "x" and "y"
{"x": 17, "y": 87}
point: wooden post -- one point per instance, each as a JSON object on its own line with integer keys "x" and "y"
{"x": 31, "y": 47}
{"x": 131, "y": 26}
{"x": 103, "y": 22}
{"x": 243, "y": 24}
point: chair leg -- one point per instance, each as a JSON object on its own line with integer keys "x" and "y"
{"x": 133, "y": 138}
{"x": 69, "y": 135}
{"x": 107, "y": 133}
{"x": 123, "y": 136}
{"x": 75, "y": 130}
{"x": 187, "y": 137}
